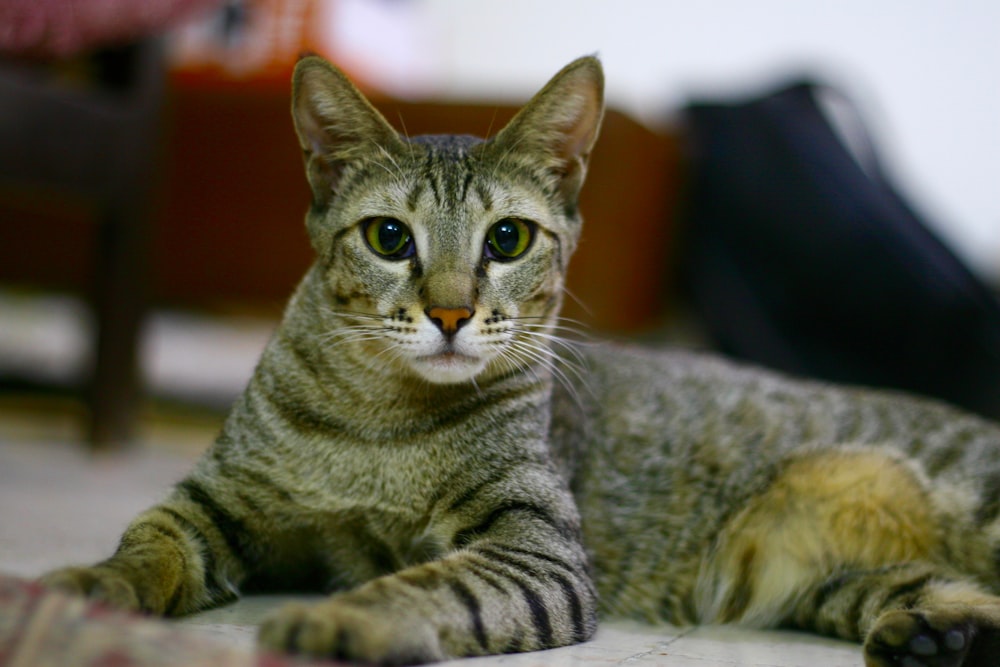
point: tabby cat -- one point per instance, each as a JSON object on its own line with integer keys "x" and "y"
{"x": 420, "y": 440}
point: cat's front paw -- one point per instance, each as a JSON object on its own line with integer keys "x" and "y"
{"x": 954, "y": 636}
{"x": 336, "y": 630}
{"x": 96, "y": 583}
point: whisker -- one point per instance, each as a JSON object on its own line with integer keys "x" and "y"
{"x": 555, "y": 372}
{"x": 549, "y": 333}
{"x": 341, "y": 312}
{"x": 323, "y": 336}
{"x": 356, "y": 339}
{"x": 578, "y": 301}
{"x": 546, "y": 352}
{"x": 545, "y": 357}
{"x": 503, "y": 158}
{"x": 489, "y": 129}
{"x": 398, "y": 175}
{"x": 406, "y": 134}
{"x": 514, "y": 365}
{"x": 580, "y": 337}
{"x": 565, "y": 323}
{"x": 569, "y": 346}
{"x": 394, "y": 348}
{"x": 575, "y": 366}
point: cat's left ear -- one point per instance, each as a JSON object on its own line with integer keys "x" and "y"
{"x": 335, "y": 123}
{"x": 559, "y": 126}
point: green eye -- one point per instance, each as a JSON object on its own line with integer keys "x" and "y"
{"x": 509, "y": 239}
{"x": 389, "y": 238}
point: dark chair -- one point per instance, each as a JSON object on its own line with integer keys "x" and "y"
{"x": 94, "y": 135}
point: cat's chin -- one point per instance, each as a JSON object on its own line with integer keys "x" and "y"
{"x": 448, "y": 367}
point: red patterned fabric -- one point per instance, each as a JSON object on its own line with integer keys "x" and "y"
{"x": 42, "y": 628}
{"x": 58, "y": 28}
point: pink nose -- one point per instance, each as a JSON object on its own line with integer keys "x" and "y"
{"x": 449, "y": 320}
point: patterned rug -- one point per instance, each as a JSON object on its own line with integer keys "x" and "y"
{"x": 42, "y": 628}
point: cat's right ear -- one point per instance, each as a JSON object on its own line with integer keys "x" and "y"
{"x": 335, "y": 124}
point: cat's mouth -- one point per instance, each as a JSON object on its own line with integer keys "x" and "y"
{"x": 448, "y": 367}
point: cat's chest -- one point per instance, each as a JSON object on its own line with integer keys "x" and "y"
{"x": 385, "y": 479}
{"x": 370, "y": 509}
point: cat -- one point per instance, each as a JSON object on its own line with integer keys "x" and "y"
{"x": 423, "y": 441}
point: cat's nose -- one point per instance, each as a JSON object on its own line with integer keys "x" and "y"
{"x": 449, "y": 320}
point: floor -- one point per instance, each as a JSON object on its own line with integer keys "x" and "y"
{"x": 59, "y": 506}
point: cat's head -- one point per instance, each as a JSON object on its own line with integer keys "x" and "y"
{"x": 445, "y": 256}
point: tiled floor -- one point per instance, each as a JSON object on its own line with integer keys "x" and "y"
{"x": 59, "y": 507}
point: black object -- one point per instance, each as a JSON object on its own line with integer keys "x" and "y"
{"x": 799, "y": 258}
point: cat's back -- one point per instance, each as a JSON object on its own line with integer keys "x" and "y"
{"x": 643, "y": 407}
{"x": 662, "y": 448}
{"x": 681, "y": 401}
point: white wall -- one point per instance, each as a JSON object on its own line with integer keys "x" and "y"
{"x": 925, "y": 72}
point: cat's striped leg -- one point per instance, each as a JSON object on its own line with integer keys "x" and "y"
{"x": 173, "y": 559}
{"x": 514, "y": 578}
{"x": 911, "y": 615}
{"x": 850, "y": 542}
{"x": 485, "y": 600}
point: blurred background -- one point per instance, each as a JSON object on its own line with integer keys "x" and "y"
{"x": 152, "y": 195}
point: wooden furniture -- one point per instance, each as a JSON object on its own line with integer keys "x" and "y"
{"x": 78, "y": 152}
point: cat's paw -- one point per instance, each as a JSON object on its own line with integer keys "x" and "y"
{"x": 96, "y": 583}
{"x": 958, "y": 636}
{"x": 336, "y": 630}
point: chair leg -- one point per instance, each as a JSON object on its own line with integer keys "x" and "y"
{"x": 121, "y": 286}
{"x": 115, "y": 392}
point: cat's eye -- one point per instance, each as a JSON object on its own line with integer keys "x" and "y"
{"x": 509, "y": 239}
{"x": 388, "y": 237}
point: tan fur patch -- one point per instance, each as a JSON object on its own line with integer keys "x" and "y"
{"x": 854, "y": 508}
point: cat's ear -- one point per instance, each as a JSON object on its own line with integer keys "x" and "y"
{"x": 559, "y": 125}
{"x": 335, "y": 123}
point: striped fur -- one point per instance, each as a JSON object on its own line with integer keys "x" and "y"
{"x": 484, "y": 486}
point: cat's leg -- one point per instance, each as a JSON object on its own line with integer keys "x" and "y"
{"x": 825, "y": 511}
{"x": 853, "y": 542}
{"x": 912, "y": 614}
{"x": 173, "y": 559}
{"x": 513, "y": 578}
